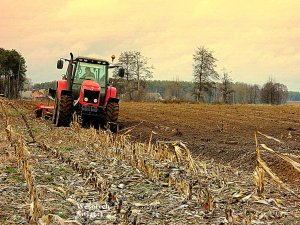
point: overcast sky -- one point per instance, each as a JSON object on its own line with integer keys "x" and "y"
{"x": 252, "y": 39}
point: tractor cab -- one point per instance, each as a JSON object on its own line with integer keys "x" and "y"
{"x": 92, "y": 73}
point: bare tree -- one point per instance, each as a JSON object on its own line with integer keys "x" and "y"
{"x": 127, "y": 60}
{"x": 226, "y": 89}
{"x": 137, "y": 70}
{"x": 204, "y": 72}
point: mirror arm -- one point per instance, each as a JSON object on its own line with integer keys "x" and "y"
{"x": 68, "y": 60}
{"x": 114, "y": 66}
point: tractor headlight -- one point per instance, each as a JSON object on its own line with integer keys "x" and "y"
{"x": 85, "y": 99}
{"x": 95, "y": 100}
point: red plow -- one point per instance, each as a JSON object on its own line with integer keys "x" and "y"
{"x": 45, "y": 111}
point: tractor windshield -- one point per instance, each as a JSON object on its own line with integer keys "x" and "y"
{"x": 88, "y": 71}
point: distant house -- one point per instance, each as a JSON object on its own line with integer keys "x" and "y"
{"x": 40, "y": 95}
{"x": 26, "y": 94}
{"x": 153, "y": 96}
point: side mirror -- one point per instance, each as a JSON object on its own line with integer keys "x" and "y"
{"x": 121, "y": 72}
{"x": 60, "y": 64}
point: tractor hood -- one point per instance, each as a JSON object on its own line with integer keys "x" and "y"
{"x": 89, "y": 93}
{"x": 90, "y": 85}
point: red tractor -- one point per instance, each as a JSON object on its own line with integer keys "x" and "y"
{"x": 86, "y": 91}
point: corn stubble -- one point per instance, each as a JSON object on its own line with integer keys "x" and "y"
{"x": 36, "y": 210}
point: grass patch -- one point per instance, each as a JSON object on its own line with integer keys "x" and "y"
{"x": 34, "y": 129}
{"x": 142, "y": 187}
{"x": 67, "y": 148}
{"x": 13, "y": 114}
{"x": 64, "y": 147}
{"x": 10, "y": 170}
{"x": 49, "y": 177}
{"x": 62, "y": 215}
{"x": 62, "y": 169}
{"x": 15, "y": 179}
{"x": 13, "y": 175}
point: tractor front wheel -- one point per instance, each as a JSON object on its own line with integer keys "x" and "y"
{"x": 112, "y": 113}
{"x": 64, "y": 111}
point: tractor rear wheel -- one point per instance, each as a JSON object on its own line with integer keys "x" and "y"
{"x": 64, "y": 111}
{"x": 112, "y": 114}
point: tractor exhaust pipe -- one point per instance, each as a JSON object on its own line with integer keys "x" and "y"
{"x": 69, "y": 71}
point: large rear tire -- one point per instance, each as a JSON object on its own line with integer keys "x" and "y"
{"x": 112, "y": 114}
{"x": 64, "y": 111}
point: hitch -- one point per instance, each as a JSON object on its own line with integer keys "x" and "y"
{"x": 112, "y": 126}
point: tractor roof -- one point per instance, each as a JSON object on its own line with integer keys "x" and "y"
{"x": 91, "y": 60}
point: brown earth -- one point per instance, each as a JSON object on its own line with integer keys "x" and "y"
{"x": 224, "y": 133}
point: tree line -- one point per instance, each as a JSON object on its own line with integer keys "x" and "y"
{"x": 240, "y": 93}
{"x": 208, "y": 85}
{"x": 230, "y": 93}
{"x": 12, "y": 73}
{"x": 294, "y": 96}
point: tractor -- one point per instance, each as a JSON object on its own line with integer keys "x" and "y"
{"x": 86, "y": 91}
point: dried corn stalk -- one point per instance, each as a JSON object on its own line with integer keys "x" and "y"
{"x": 178, "y": 152}
{"x": 273, "y": 176}
{"x": 269, "y": 137}
{"x": 295, "y": 164}
{"x": 209, "y": 201}
{"x": 259, "y": 176}
{"x": 257, "y": 145}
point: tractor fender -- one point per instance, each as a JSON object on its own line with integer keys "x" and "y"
{"x": 116, "y": 100}
{"x": 66, "y": 92}
{"x": 61, "y": 87}
{"x": 111, "y": 95}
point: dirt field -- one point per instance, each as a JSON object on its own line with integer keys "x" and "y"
{"x": 62, "y": 174}
{"x": 224, "y": 133}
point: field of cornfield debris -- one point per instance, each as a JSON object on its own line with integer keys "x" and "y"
{"x": 168, "y": 164}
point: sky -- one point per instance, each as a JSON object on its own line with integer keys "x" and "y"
{"x": 253, "y": 40}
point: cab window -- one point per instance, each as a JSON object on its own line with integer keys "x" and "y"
{"x": 88, "y": 71}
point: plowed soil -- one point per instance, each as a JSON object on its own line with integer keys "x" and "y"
{"x": 224, "y": 133}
